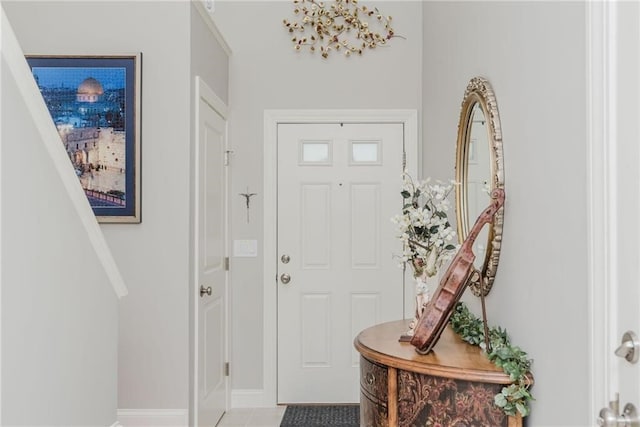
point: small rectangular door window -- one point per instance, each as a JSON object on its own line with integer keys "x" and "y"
{"x": 315, "y": 153}
{"x": 365, "y": 152}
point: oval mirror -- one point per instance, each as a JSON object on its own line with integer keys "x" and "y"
{"x": 479, "y": 170}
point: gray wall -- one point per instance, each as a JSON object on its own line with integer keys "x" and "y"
{"x": 59, "y": 309}
{"x": 208, "y": 57}
{"x": 533, "y": 53}
{"x": 153, "y": 256}
{"x": 266, "y": 73}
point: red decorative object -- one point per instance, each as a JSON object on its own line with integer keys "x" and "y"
{"x": 454, "y": 282}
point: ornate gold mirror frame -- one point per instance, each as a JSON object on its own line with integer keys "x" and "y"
{"x": 479, "y": 106}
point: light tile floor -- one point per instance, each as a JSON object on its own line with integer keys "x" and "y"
{"x": 258, "y": 417}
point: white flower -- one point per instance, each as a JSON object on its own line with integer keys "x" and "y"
{"x": 423, "y": 226}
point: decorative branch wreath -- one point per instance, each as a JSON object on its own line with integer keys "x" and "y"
{"x": 341, "y": 26}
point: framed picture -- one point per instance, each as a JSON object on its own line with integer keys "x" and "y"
{"x": 94, "y": 102}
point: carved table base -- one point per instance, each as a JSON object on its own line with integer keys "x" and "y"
{"x": 453, "y": 386}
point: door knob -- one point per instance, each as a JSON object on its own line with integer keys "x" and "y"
{"x": 285, "y": 278}
{"x": 609, "y": 417}
{"x": 205, "y": 291}
{"x": 630, "y": 347}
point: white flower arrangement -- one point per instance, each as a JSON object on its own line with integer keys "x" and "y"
{"x": 423, "y": 226}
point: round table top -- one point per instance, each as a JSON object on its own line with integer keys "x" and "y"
{"x": 450, "y": 358}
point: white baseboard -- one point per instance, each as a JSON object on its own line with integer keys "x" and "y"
{"x": 153, "y": 417}
{"x": 249, "y": 399}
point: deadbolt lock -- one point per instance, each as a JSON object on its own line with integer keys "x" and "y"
{"x": 629, "y": 348}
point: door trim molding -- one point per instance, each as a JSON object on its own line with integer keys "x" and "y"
{"x": 409, "y": 119}
{"x": 601, "y": 201}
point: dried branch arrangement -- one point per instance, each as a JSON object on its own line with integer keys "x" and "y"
{"x": 340, "y": 25}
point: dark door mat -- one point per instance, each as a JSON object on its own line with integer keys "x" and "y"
{"x": 321, "y": 415}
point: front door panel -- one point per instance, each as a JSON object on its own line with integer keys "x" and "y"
{"x": 338, "y": 187}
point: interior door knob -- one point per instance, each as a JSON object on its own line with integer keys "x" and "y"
{"x": 630, "y": 347}
{"x": 285, "y": 278}
{"x": 609, "y": 417}
{"x": 205, "y": 291}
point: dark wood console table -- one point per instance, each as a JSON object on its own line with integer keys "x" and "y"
{"x": 453, "y": 385}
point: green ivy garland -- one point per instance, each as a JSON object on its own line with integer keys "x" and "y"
{"x": 513, "y": 361}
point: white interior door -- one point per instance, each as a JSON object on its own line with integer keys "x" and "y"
{"x": 626, "y": 250}
{"x": 210, "y": 255}
{"x": 615, "y": 206}
{"x": 338, "y": 187}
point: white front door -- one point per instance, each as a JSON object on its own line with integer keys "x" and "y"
{"x": 210, "y": 254}
{"x": 338, "y": 187}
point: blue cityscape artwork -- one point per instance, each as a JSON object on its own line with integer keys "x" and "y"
{"x": 91, "y": 103}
